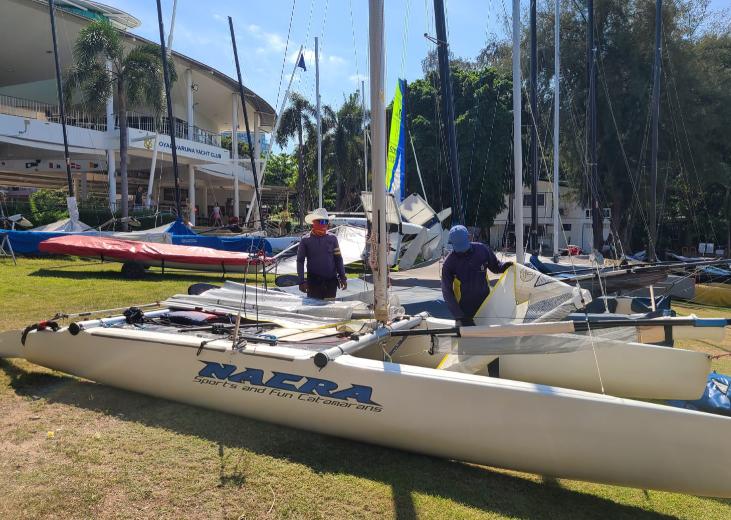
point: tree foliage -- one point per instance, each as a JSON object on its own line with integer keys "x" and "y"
{"x": 483, "y": 119}
{"x": 695, "y": 106}
{"x": 135, "y": 77}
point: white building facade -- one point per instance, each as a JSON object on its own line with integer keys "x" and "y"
{"x": 206, "y": 104}
{"x": 575, "y": 221}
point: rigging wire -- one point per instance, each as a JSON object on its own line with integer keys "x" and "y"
{"x": 286, "y": 49}
{"x": 672, "y": 76}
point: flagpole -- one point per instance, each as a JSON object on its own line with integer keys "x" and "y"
{"x": 277, "y": 120}
{"x": 319, "y": 121}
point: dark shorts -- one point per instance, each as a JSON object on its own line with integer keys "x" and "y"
{"x": 321, "y": 289}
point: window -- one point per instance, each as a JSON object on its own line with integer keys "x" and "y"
{"x": 607, "y": 213}
{"x": 567, "y": 227}
{"x": 527, "y": 199}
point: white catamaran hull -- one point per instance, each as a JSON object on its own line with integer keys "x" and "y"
{"x": 544, "y": 430}
{"x": 630, "y": 370}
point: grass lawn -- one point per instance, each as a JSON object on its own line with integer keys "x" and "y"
{"x": 74, "y": 449}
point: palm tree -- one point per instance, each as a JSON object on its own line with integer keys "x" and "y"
{"x": 347, "y": 147}
{"x": 295, "y": 119}
{"x": 135, "y": 76}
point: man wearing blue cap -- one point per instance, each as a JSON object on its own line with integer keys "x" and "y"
{"x": 464, "y": 275}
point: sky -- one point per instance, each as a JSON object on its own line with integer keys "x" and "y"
{"x": 266, "y": 39}
{"x": 201, "y": 32}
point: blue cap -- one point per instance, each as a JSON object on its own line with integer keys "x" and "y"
{"x": 459, "y": 237}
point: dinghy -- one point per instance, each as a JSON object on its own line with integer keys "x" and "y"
{"x": 137, "y": 256}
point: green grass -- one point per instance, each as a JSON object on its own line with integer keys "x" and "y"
{"x": 116, "y": 454}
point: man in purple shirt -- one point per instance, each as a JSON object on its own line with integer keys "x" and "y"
{"x": 321, "y": 250}
{"x": 464, "y": 275}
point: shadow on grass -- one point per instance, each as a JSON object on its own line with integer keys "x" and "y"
{"x": 150, "y": 276}
{"x": 406, "y": 473}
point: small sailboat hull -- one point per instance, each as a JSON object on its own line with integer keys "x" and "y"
{"x": 631, "y": 370}
{"x": 509, "y": 424}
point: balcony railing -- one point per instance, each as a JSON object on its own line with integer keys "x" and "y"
{"x": 38, "y": 110}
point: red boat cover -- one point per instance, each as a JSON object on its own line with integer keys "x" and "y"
{"x": 143, "y": 252}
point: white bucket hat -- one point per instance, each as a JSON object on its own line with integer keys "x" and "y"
{"x": 318, "y": 214}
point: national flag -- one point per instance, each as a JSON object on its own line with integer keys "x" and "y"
{"x": 301, "y": 62}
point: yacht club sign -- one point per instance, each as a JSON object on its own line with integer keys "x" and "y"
{"x": 191, "y": 151}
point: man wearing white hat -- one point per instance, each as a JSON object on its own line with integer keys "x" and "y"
{"x": 321, "y": 250}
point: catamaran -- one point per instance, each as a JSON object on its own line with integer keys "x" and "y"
{"x": 303, "y": 363}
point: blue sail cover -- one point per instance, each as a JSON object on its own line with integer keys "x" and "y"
{"x": 716, "y": 397}
{"x": 26, "y": 242}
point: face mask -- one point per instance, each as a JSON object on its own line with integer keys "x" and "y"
{"x": 319, "y": 229}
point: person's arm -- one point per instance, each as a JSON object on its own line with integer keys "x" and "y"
{"x": 301, "y": 255}
{"x": 448, "y": 290}
{"x": 339, "y": 265}
{"x": 493, "y": 264}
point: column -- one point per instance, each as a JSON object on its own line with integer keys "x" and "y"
{"x": 191, "y": 194}
{"x": 203, "y": 205}
{"x": 259, "y": 173}
{"x": 189, "y": 103}
{"x": 111, "y": 165}
{"x": 84, "y": 191}
{"x": 257, "y": 146}
{"x": 235, "y": 149}
{"x": 75, "y": 184}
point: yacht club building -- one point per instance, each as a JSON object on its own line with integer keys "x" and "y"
{"x": 206, "y": 106}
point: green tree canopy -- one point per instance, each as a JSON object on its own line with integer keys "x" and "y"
{"x": 135, "y": 77}
{"x": 482, "y": 107}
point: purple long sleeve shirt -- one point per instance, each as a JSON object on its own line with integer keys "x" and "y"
{"x": 469, "y": 269}
{"x": 323, "y": 257}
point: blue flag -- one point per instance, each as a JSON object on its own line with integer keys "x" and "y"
{"x": 301, "y": 63}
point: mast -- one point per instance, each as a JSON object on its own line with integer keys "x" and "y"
{"x": 655, "y": 125}
{"x": 596, "y": 214}
{"x": 319, "y": 120}
{"x": 556, "y": 113}
{"x": 517, "y": 143}
{"x": 153, "y": 163}
{"x": 169, "y": 103}
{"x": 533, "y": 244}
{"x": 448, "y": 111}
{"x": 365, "y": 136}
{"x": 277, "y": 120}
{"x": 378, "y": 157}
{"x": 70, "y": 200}
{"x": 246, "y": 123}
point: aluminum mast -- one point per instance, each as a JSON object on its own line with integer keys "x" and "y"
{"x": 517, "y": 143}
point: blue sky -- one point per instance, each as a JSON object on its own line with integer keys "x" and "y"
{"x": 201, "y": 32}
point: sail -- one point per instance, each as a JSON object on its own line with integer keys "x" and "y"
{"x": 395, "y": 182}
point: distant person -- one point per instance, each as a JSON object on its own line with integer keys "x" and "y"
{"x": 321, "y": 251}
{"x": 216, "y": 218}
{"x": 464, "y": 275}
{"x": 607, "y": 247}
{"x": 138, "y": 198}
